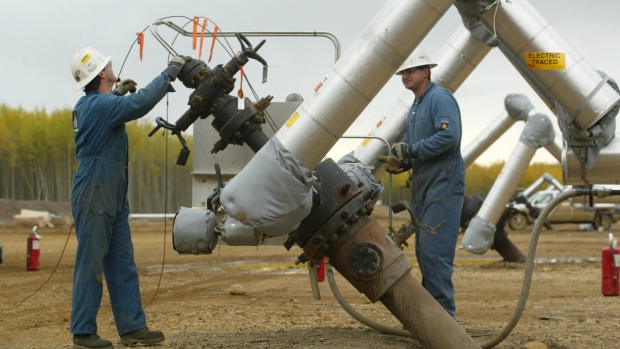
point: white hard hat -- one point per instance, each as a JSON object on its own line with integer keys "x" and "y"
{"x": 419, "y": 58}
{"x": 86, "y": 64}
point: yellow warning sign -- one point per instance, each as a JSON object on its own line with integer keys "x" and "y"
{"x": 292, "y": 119}
{"x": 546, "y": 60}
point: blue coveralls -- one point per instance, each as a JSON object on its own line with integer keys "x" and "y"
{"x": 438, "y": 183}
{"x": 101, "y": 210}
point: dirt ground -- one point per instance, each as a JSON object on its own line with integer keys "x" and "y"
{"x": 191, "y": 303}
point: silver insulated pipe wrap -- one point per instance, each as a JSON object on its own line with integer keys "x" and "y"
{"x": 555, "y": 148}
{"x": 273, "y": 196}
{"x": 518, "y": 108}
{"x": 456, "y": 59}
{"x": 358, "y": 76}
{"x": 391, "y": 129}
{"x": 582, "y": 96}
{"x": 273, "y": 193}
{"x": 478, "y": 237}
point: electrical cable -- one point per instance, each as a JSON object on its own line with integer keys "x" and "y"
{"x": 527, "y": 279}
{"x": 529, "y": 263}
{"x": 189, "y": 20}
{"x": 496, "y": 2}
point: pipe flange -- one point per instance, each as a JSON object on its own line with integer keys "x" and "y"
{"x": 365, "y": 261}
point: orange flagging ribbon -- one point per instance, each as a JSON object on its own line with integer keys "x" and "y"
{"x": 202, "y": 36}
{"x": 141, "y": 42}
{"x": 240, "y": 92}
{"x": 195, "y": 32}
{"x": 213, "y": 43}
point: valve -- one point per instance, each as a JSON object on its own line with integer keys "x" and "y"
{"x": 211, "y": 97}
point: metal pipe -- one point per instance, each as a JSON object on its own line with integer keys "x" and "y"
{"x": 390, "y": 128}
{"x": 546, "y": 177}
{"x": 478, "y": 237}
{"x": 487, "y": 137}
{"x": 518, "y": 107}
{"x": 457, "y": 58}
{"x": 426, "y": 320}
{"x": 484, "y": 223}
{"x": 181, "y": 31}
{"x": 555, "y": 148}
{"x": 358, "y": 76}
{"x": 532, "y": 41}
{"x": 604, "y": 171}
{"x": 356, "y": 245}
{"x": 504, "y": 185}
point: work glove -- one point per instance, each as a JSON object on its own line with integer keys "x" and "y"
{"x": 174, "y": 67}
{"x": 391, "y": 164}
{"x": 402, "y": 150}
{"x": 125, "y": 86}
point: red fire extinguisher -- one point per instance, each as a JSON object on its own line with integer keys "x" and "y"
{"x": 611, "y": 268}
{"x": 34, "y": 250}
{"x": 320, "y": 272}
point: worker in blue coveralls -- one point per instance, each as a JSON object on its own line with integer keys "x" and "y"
{"x": 431, "y": 149}
{"x": 99, "y": 198}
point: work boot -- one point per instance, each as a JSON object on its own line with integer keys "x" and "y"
{"x": 142, "y": 336}
{"x": 86, "y": 341}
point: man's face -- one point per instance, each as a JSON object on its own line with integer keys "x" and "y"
{"x": 108, "y": 74}
{"x": 413, "y": 78}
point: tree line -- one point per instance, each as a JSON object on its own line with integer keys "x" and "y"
{"x": 38, "y": 161}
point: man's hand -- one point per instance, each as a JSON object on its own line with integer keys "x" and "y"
{"x": 174, "y": 67}
{"x": 125, "y": 86}
{"x": 402, "y": 150}
{"x": 391, "y": 164}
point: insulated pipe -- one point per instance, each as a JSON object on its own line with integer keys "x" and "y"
{"x": 358, "y": 76}
{"x": 518, "y": 107}
{"x": 605, "y": 169}
{"x": 456, "y": 59}
{"x": 370, "y": 260}
{"x": 536, "y": 45}
{"x": 495, "y": 202}
{"x": 555, "y": 148}
{"x": 478, "y": 237}
{"x": 487, "y": 137}
{"x": 544, "y": 178}
{"x": 390, "y": 128}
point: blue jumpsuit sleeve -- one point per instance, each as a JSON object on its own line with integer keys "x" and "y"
{"x": 447, "y": 124}
{"x": 134, "y": 106}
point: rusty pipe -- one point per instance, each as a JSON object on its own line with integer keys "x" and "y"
{"x": 358, "y": 248}
{"x": 393, "y": 285}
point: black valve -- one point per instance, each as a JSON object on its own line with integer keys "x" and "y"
{"x": 249, "y": 51}
{"x": 211, "y": 97}
{"x": 184, "y": 154}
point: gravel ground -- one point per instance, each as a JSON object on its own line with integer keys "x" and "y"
{"x": 190, "y": 300}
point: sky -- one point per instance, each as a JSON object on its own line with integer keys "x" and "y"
{"x": 40, "y": 38}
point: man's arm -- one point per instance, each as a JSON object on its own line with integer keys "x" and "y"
{"x": 447, "y": 124}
